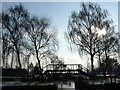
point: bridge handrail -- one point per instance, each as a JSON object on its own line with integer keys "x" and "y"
{"x": 47, "y": 66}
{"x": 78, "y": 66}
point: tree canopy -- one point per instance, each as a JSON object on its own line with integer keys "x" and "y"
{"x": 25, "y": 35}
{"x": 84, "y": 27}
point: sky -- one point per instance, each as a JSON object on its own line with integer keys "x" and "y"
{"x": 59, "y": 13}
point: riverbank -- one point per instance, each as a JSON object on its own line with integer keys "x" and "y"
{"x": 31, "y": 87}
{"x": 106, "y": 86}
{"x": 60, "y": 85}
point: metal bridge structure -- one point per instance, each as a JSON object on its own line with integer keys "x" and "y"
{"x": 65, "y": 71}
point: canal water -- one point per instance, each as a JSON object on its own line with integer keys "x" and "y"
{"x": 65, "y": 85}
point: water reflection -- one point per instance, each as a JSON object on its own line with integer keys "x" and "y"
{"x": 65, "y": 85}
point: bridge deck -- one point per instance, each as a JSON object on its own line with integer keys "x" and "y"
{"x": 66, "y": 68}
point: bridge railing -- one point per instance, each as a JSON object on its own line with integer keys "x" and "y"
{"x": 77, "y": 67}
{"x": 65, "y": 67}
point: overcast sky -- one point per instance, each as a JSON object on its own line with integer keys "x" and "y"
{"x": 59, "y": 13}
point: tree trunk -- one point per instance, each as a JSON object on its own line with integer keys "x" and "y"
{"x": 37, "y": 57}
{"x": 99, "y": 59}
{"x": 18, "y": 57}
{"x": 105, "y": 68}
{"x": 92, "y": 66}
{"x": 40, "y": 69}
{"x": 12, "y": 59}
{"x": 3, "y": 56}
{"x": 38, "y": 61}
{"x": 3, "y": 59}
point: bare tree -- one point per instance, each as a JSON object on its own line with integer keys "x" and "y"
{"x": 83, "y": 27}
{"x": 110, "y": 44}
{"x": 41, "y": 39}
{"x": 13, "y": 22}
{"x": 109, "y": 51}
{"x": 4, "y": 49}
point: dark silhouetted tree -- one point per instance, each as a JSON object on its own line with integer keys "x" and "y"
{"x": 83, "y": 28}
{"x": 41, "y": 38}
{"x": 108, "y": 52}
{"x": 4, "y": 49}
{"x": 109, "y": 66}
{"x": 13, "y": 23}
